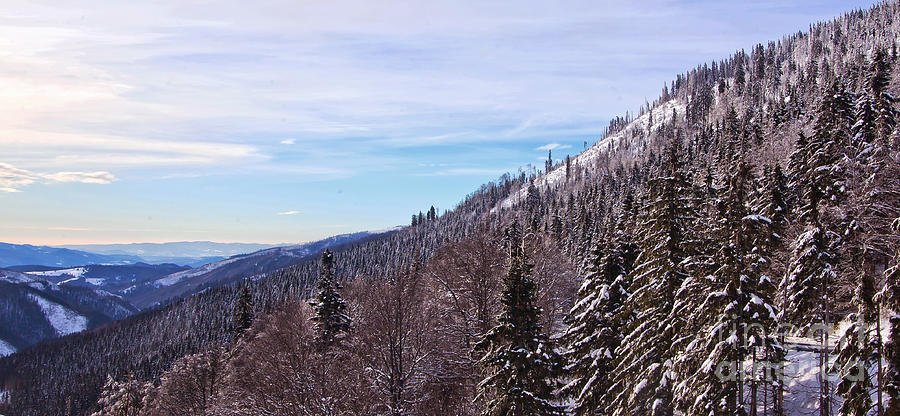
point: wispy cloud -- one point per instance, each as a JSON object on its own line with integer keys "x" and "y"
{"x": 289, "y": 213}
{"x": 83, "y": 177}
{"x": 288, "y": 141}
{"x": 12, "y": 179}
{"x": 554, "y": 146}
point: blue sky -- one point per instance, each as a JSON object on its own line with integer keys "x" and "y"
{"x": 290, "y": 121}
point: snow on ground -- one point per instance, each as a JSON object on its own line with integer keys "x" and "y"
{"x": 14, "y": 277}
{"x": 68, "y": 280}
{"x": 63, "y": 320}
{"x": 6, "y": 348}
{"x": 74, "y": 272}
{"x": 802, "y": 383}
{"x": 587, "y": 158}
{"x": 176, "y": 277}
{"x": 96, "y": 281}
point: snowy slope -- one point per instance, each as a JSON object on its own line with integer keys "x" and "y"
{"x": 14, "y": 277}
{"x": 74, "y": 272}
{"x": 187, "y": 274}
{"x": 587, "y": 159}
{"x": 64, "y": 320}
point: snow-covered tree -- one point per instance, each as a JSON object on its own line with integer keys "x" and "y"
{"x": 243, "y": 311}
{"x": 876, "y": 201}
{"x": 643, "y": 378}
{"x": 330, "y": 308}
{"x": 190, "y": 387}
{"x": 520, "y": 365}
{"x": 125, "y": 398}
{"x": 596, "y": 322}
{"x": 739, "y": 306}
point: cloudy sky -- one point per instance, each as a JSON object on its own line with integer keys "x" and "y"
{"x": 289, "y": 121}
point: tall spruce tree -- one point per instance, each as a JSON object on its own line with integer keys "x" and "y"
{"x": 596, "y": 323}
{"x": 521, "y": 367}
{"x": 807, "y": 292}
{"x": 876, "y": 201}
{"x": 644, "y": 377}
{"x": 243, "y": 311}
{"x": 740, "y": 308}
{"x": 772, "y": 203}
{"x": 330, "y": 317}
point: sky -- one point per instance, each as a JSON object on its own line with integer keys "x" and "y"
{"x": 290, "y": 121}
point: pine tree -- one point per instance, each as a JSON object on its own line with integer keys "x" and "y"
{"x": 807, "y": 292}
{"x": 740, "y": 307}
{"x": 121, "y": 398}
{"x": 331, "y": 319}
{"x": 876, "y": 202}
{"x": 856, "y": 352}
{"x": 773, "y": 204}
{"x": 644, "y": 378}
{"x": 596, "y": 323}
{"x": 519, "y": 363}
{"x": 243, "y": 311}
{"x": 827, "y": 148}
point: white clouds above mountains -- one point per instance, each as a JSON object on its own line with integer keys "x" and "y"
{"x": 12, "y": 179}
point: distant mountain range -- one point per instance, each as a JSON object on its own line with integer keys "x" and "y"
{"x": 19, "y": 254}
{"x": 245, "y": 266}
{"x": 57, "y": 291}
{"x": 166, "y": 252}
{"x": 186, "y": 253}
{"x": 35, "y": 309}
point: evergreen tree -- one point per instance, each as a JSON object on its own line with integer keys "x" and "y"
{"x": 519, "y": 363}
{"x": 243, "y": 310}
{"x": 856, "y": 352}
{"x": 769, "y": 247}
{"x": 827, "y": 149}
{"x": 330, "y": 309}
{"x": 807, "y": 293}
{"x": 596, "y": 323}
{"x": 740, "y": 308}
{"x": 121, "y": 398}
{"x": 869, "y": 237}
{"x": 644, "y": 378}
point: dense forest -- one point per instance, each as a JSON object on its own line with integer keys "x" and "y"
{"x": 742, "y": 225}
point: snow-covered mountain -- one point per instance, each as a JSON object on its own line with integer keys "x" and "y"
{"x": 245, "y": 266}
{"x": 111, "y": 278}
{"x": 36, "y": 309}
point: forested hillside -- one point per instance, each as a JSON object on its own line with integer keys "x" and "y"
{"x": 727, "y": 233}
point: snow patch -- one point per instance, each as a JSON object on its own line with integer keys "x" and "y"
{"x": 587, "y": 159}
{"x": 63, "y": 320}
{"x": 74, "y": 272}
{"x": 176, "y": 277}
{"x": 6, "y": 348}
{"x": 14, "y": 277}
{"x": 96, "y": 281}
